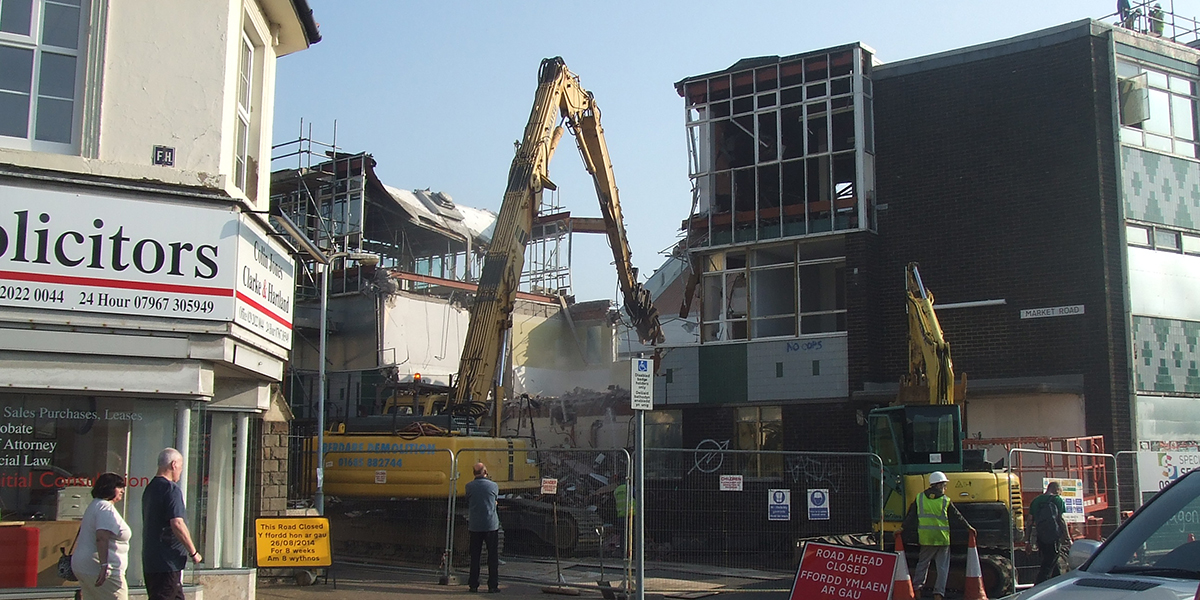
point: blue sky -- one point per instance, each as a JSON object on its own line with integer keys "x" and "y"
{"x": 438, "y": 91}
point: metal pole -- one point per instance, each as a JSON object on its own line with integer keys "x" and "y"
{"x": 639, "y": 538}
{"x": 319, "y": 496}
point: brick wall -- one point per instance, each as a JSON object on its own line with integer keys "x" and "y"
{"x": 999, "y": 177}
{"x": 273, "y": 458}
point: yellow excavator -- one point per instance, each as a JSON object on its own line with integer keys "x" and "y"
{"x": 407, "y": 456}
{"x": 922, "y": 432}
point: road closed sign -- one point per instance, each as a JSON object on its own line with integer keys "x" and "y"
{"x": 828, "y": 571}
{"x": 292, "y": 542}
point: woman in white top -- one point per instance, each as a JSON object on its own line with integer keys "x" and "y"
{"x": 102, "y": 550}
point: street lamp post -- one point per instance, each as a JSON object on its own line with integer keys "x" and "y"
{"x": 364, "y": 258}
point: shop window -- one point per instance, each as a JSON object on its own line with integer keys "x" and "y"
{"x": 41, "y": 74}
{"x": 52, "y": 447}
{"x": 222, "y": 490}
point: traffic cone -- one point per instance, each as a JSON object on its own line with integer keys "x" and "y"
{"x": 973, "y": 585}
{"x": 902, "y": 587}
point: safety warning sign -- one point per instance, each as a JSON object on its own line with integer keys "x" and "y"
{"x": 828, "y": 571}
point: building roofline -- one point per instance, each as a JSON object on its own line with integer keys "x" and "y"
{"x": 760, "y": 61}
{"x": 311, "y": 32}
{"x": 1029, "y": 41}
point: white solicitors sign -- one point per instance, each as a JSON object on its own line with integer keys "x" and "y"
{"x": 101, "y": 254}
{"x": 265, "y": 285}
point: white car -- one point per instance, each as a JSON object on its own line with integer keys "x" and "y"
{"x": 1154, "y": 555}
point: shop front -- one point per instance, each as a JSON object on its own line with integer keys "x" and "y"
{"x": 131, "y": 321}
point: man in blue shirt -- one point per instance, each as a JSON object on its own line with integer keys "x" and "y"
{"x": 166, "y": 541}
{"x": 484, "y": 525}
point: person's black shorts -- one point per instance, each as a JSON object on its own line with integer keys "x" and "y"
{"x": 164, "y": 586}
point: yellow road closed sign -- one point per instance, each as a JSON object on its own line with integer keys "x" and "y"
{"x": 292, "y": 542}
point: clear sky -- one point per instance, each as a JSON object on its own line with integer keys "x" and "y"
{"x": 438, "y": 91}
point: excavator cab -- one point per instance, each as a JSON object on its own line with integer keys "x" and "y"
{"x": 913, "y": 440}
{"x": 918, "y": 439}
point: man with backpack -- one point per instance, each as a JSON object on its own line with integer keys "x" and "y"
{"x": 1049, "y": 529}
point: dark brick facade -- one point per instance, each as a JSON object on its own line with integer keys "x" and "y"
{"x": 998, "y": 172}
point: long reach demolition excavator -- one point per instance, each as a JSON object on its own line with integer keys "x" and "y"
{"x": 390, "y": 474}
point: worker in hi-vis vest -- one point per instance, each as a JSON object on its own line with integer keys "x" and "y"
{"x": 931, "y": 514}
{"x": 626, "y": 506}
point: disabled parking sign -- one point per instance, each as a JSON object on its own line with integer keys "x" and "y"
{"x": 779, "y": 505}
{"x": 818, "y": 505}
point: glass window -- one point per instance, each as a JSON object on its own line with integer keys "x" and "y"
{"x": 1167, "y": 120}
{"x": 759, "y": 428}
{"x": 1137, "y": 235}
{"x": 1191, "y": 244}
{"x": 799, "y": 110}
{"x": 1166, "y": 240}
{"x": 40, "y": 74}
{"x": 53, "y": 448}
{"x": 245, "y": 89}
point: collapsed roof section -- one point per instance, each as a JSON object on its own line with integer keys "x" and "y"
{"x": 337, "y": 201}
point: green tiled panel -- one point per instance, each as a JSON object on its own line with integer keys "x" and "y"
{"x": 1168, "y": 355}
{"x": 1160, "y": 188}
{"x": 722, "y": 373}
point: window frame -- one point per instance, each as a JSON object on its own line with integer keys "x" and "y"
{"x": 244, "y": 108}
{"x": 1160, "y": 82}
{"x": 32, "y": 41}
{"x": 717, "y": 325}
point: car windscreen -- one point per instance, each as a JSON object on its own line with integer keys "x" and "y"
{"x": 1161, "y": 539}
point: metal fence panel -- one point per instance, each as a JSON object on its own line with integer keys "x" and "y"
{"x": 1057, "y": 464}
{"x": 736, "y": 518}
{"x": 573, "y": 537}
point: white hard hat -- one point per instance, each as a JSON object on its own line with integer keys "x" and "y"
{"x": 937, "y": 477}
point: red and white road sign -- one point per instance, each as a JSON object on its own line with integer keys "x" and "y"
{"x": 828, "y": 571}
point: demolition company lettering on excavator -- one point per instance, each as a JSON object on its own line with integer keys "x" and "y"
{"x": 409, "y": 448}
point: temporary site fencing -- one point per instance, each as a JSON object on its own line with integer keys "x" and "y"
{"x": 1087, "y": 490}
{"x": 715, "y": 518}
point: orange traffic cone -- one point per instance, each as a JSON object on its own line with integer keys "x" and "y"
{"x": 902, "y": 587}
{"x": 973, "y": 586}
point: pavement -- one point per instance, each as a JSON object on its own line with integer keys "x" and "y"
{"x": 357, "y": 582}
{"x": 365, "y": 582}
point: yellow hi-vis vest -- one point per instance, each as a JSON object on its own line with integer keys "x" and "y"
{"x": 621, "y": 496}
{"x": 933, "y": 524}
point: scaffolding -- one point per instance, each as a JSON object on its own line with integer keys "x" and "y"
{"x": 1151, "y": 18}
{"x": 545, "y": 272}
{"x": 324, "y": 195}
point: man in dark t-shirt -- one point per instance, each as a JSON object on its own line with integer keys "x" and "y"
{"x": 166, "y": 542}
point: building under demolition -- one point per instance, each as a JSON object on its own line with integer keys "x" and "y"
{"x": 1046, "y": 184}
{"x": 405, "y": 267}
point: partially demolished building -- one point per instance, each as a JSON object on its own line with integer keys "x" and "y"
{"x": 1046, "y": 184}
{"x": 397, "y": 321}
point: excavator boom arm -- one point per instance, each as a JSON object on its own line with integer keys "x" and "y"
{"x": 928, "y": 351}
{"x": 559, "y": 95}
